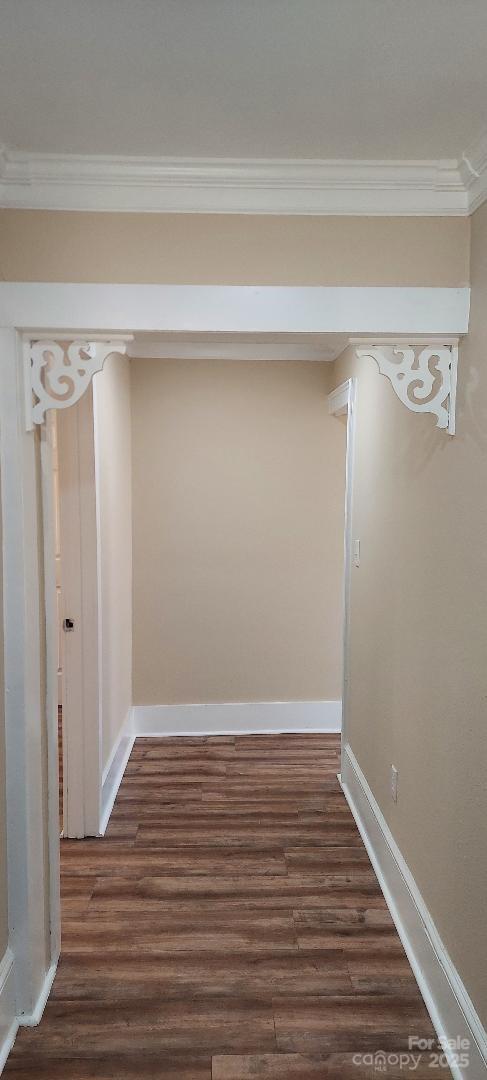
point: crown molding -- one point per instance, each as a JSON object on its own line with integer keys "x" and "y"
{"x": 445, "y": 187}
{"x": 159, "y": 349}
{"x": 238, "y": 186}
{"x": 473, "y": 171}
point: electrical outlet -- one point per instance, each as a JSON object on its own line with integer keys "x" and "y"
{"x": 394, "y": 778}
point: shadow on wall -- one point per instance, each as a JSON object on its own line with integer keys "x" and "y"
{"x": 472, "y": 404}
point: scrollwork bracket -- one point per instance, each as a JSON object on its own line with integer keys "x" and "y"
{"x": 424, "y": 377}
{"x": 57, "y": 373}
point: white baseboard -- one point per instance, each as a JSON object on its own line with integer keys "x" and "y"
{"x": 237, "y": 718}
{"x": 35, "y": 1017}
{"x": 9, "y": 1023}
{"x": 9, "y": 1020}
{"x": 114, "y": 770}
{"x": 450, "y": 1008}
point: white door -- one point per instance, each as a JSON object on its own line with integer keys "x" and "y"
{"x": 51, "y": 424}
{"x": 55, "y": 531}
{"x": 79, "y": 614}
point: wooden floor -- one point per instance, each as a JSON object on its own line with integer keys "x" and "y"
{"x": 228, "y": 926}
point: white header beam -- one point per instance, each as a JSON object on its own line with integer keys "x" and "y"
{"x": 85, "y": 310}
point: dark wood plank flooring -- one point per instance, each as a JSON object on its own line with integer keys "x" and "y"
{"x": 228, "y": 926}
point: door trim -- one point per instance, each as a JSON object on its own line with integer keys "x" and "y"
{"x": 30, "y": 846}
{"x": 342, "y": 402}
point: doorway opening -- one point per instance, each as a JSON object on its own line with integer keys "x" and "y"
{"x": 198, "y": 435}
{"x": 311, "y": 803}
{"x": 31, "y": 311}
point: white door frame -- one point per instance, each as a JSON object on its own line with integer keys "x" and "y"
{"x": 52, "y": 693}
{"x": 74, "y": 310}
{"x": 30, "y": 903}
{"x": 342, "y": 402}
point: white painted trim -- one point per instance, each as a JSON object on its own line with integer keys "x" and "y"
{"x": 473, "y": 170}
{"x": 397, "y": 339}
{"x": 52, "y": 720}
{"x": 125, "y": 731}
{"x": 9, "y": 1023}
{"x": 339, "y": 399}
{"x": 250, "y": 350}
{"x": 81, "y": 360}
{"x": 237, "y": 718}
{"x": 452, "y": 411}
{"x": 34, "y": 1018}
{"x": 114, "y": 770}
{"x": 449, "y": 1005}
{"x": 99, "y": 596}
{"x": 342, "y": 401}
{"x": 28, "y": 892}
{"x": 408, "y": 368}
{"x": 232, "y": 185}
{"x": 79, "y": 309}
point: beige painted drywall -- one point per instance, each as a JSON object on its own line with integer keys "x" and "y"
{"x": 232, "y": 249}
{"x": 238, "y": 495}
{"x": 418, "y": 640}
{"x": 111, "y": 400}
{"x": 3, "y": 804}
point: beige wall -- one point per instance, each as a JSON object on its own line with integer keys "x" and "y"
{"x": 111, "y": 398}
{"x": 3, "y": 805}
{"x": 232, "y": 249}
{"x": 419, "y": 633}
{"x": 238, "y": 495}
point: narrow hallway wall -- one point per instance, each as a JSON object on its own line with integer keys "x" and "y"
{"x": 238, "y": 499}
{"x": 418, "y": 639}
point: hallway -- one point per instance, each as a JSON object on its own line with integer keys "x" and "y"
{"x": 228, "y": 926}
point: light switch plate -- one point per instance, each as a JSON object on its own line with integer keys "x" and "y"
{"x": 356, "y": 552}
{"x": 394, "y": 778}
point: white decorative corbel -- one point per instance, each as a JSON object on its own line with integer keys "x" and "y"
{"x": 57, "y": 373}
{"x": 424, "y": 377}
